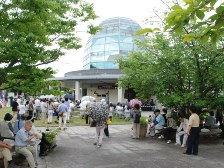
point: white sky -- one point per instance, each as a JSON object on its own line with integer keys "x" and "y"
{"x": 138, "y": 10}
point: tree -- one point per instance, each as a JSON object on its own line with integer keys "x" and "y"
{"x": 177, "y": 73}
{"x": 204, "y": 20}
{"x": 34, "y": 33}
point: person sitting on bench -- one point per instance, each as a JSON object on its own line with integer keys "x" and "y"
{"x": 157, "y": 124}
{"x": 210, "y": 121}
{"x": 171, "y": 128}
{"x": 5, "y": 153}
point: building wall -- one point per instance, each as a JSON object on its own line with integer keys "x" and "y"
{"x": 113, "y": 94}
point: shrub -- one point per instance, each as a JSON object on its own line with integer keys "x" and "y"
{"x": 143, "y": 122}
{"x": 51, "y": 137}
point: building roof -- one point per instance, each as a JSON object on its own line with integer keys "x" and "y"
{"x": 92, "y": 74}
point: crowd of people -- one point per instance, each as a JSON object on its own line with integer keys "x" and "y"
{"x": 21, "y": 130}
{"x": 44, "y": 110}
{"x": 22, "y": 135}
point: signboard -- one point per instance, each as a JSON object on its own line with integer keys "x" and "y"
{"x": 107, "y": 87}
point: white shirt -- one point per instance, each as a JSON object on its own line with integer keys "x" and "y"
{"x": 44, "y": 107}
{"x": 37, "y": 103}
{"x": 183, "y": 125}
{"x": 22, "y": 109}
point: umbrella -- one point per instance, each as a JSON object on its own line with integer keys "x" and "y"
{"x": 83, "y": 105}
{"x": 88, "y": 98}
{"x": 69, "y": 96}
{"x": 135, "y": 101}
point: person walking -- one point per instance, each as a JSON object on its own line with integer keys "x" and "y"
{"x": 67, "y": 103}
{"x": 22, "y": 109}
{"x": 62, "y": 113}
{"x": 50, "y": 110}
{"x": 30, "y": 108}
{"x": 44, "y": 109}
{"x": 99, "y": 113}
{"x": 38, "y": 108}
{"x": 193, "y": 132}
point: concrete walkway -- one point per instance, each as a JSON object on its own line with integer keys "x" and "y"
{"x": 76, "y": 150}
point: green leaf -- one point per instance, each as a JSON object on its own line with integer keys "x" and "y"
{"x": 143, "y": 31}
{"x": 200, "y": 14}
{"x": 176, "y": 7}
{"x": 156, "y": 29}
{"x": 188, "y": 1}
{"x": 187, "y": 38}
{"x": 220, "y": 10}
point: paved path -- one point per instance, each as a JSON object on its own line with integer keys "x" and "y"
{"x": 76, "y": 150}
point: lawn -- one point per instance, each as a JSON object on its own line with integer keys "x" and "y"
{"x": 76, "y": 120}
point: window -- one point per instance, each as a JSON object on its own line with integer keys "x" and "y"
{"x": 97, "y": 58}
{"x": 112, "y": 39}
{"x": 97, "y": 48}
{"x": 112, "y": 46}
{"x": 126, "y": 46}
{"x": 126, "y": 39}
{"x": 99, "y": 40}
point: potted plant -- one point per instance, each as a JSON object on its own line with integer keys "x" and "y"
{"x": 51, "y": 137}
{"x": 143, "y": 127}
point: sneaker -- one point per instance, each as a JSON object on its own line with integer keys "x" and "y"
{"x": 99, "y": 146}
{"x": 176, "y": 144}
{"x": 161, "y": 137}
{"x": 182, "y": 146}
{"x": 94, "y": 143}
{"x": 169, "y": 141}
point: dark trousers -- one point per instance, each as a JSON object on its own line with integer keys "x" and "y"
{"x": 167, "y": 133}
{"x": 87, "y": 119}
{"x": 219, "y": 120}
{"x": 43, "y": 144}
{"x": 106, "y": 131}
{"x": 30, "y": 113}
{"x": 193, "y": 140}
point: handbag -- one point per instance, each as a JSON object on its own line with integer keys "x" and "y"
{"x": 60, "y": 114}
{"x": 93, "y": 123}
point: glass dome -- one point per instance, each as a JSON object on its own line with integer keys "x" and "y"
{"x": 113, "y": 41}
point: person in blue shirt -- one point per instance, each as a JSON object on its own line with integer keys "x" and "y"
{"x": 158, "y": 123}
{"x": 22, "y": 143}
{"x": 19, "y": 124}
{"x": 62, "y": 113}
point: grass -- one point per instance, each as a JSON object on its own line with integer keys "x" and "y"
{"x": 75, "y": 120}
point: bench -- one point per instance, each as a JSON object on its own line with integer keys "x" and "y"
{"x": 208, "y": 136}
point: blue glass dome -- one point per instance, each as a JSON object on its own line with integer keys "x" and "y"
{"x": 113, "y": 41}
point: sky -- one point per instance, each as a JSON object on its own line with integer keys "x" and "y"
{"x": 138, "y": 10}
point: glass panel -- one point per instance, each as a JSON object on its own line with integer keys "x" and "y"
{"x": 108, "y": 53}
{"x": 104, "y": 65}
{"x": 112, "y": 46}
{"x": 97, "y": 58}
{"x": 99, "y": 40}
{"x": 127, "y": 39}
{"x": 122, "y": 52}
{"x": 126, "y": 46}
{"x": 97, "y": 48}
{"x": 111, "y": 55}
{"x": 112, "y": 39}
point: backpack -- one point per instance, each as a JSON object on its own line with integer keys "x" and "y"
{"x": 137, "y": 118}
